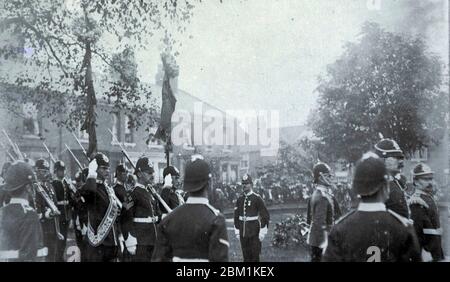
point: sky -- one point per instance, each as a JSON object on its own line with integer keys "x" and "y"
{"x": 268, "y": 54}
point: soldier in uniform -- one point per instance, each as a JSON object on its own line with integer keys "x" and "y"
{"x": 251, "y": 220}
{"x": 144, "y": 214}
{"x": 195, "y": 231}
{"x": 49, "y": 221}
{"x": 20, "y": 229}
{"x": 170, "y": 192}
{"x": 425, "y": 213}
{"x": 79, "y": 214}
{"x": 322, "y": 211}
{"x": 393, "y": 157}
{"x": 372, "y": 233}
{"x": 103, "y": 208}
{"x": 63, "y": 198}
{"x": 4, "y": 197}
{"x": 122, "y": 193}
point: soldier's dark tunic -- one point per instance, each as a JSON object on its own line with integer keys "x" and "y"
{"x": 425, "y": 215}
{"x": 101, "y": 201}
{"x": 250, "y": 215}
{"x": 20, "y": 233}
{"x": 63, "y": 204}
{"x": 80, "y": 222}
{"x": 172, "y": 199}
{"x": 48, "y": 223}
{"x": 322, "y": 214}
{"x": 397, "y": 199}
{"x": 144, "y": 214}
{"x": 124, "y": 218}
{"x": 4, "y": 197}
{"x": 372, "y": 234}
{"x": 194, "y": 231}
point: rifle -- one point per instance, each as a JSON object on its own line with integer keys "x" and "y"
{"x": 49, "y": 153}
{"x": 51, "y": 205}
{"x": 68, "y": 183}
{"x": 7, "y": 151}
{"x": 75, "y": 158}
{"x": 150, "y": 187}
{"x": 82, "y": 148}
{"x": 14, "y": 146}
{"x": 40, "y": 190}
{"x": 79, "y": 165}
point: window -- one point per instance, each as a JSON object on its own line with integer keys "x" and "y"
{"x": 82, "y": 134}
{"x": 116, "y": 127}
{"x": 245, "y": 161}
{"x": 152, "y": 140}
{"x": 420, "y": 155}
{"x": 129, "y": 138}
{"x": 30, "y": 120}
{"x": 225, "y": 173}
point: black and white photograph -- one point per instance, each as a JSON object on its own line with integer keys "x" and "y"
{"x": 226, "y": 131}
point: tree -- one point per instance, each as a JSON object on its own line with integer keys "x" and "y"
{"x": 384, "y": 83}
{"x": 72, "y": 42}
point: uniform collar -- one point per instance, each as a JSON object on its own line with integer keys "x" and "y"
{"x": 197, "y": 200}
{"x": 23, "y": 202}
{"x": 248, "y": 194}
{"x": 322, "y": 189}
{"x": 139, "y": 185}
{"x": 420, "y": 192}
{"x": 371, "y": 207}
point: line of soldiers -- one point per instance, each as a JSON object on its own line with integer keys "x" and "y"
{"x": 125, "y": 222}
{"x": 128, "y": 222}
{"x": 386, "y": 224}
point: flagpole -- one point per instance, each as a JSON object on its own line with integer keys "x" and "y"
{"x": 167, "y": 151}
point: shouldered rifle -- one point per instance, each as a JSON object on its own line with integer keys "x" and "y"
{"x": 39, "y": 189}
{"x": 75, "y": 158}
{"x": 150, "y": 187}
{"x": 14, "y": 146}
{"x": 68, "y": 183}
{"x": 49, "y": 153}
{"x": 81, "y": 146}
{"x": 51, "y": 205}
{"x": 7, "y": 151}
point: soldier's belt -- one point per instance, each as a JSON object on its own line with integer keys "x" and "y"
{"x": 14, "y": 254}
{"x": 150, "y": 219}
{"x": 248, "y": 218}
{"x": 62, "y": 203}
{"x": 429, "y": 231}
{"x": 177, "y": 259}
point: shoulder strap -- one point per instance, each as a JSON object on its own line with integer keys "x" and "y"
{"x": 403, "y": 220}
{"x": 96, "y": 238}
{"x": 345, "y": 216}
{"x": 214, "y": 210}
{"x": 417, "y": 200}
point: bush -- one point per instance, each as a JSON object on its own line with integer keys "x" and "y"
{"x": 291, "y": 232}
